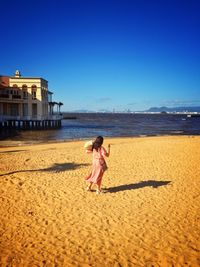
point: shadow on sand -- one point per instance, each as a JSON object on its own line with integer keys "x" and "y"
{"x": 11, "y": 151}
{"x": 150, "y": 183}
{"x": 60, "y": 167}
{"x": 56, "y": 167}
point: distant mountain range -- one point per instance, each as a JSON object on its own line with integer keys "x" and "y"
{"x": 90, "y": 111}
{"x": 152, "y": 109}
{"x": 174, "y": 109}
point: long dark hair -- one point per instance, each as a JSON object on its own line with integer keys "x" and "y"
{"x": 97, "y": 143}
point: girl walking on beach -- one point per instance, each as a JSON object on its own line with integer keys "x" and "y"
{"x": 99, "y": 165}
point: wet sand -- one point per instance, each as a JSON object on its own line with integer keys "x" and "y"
{"x": 148, "y": 214}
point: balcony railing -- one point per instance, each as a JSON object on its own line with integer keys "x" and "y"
{"x": 39, "y": 118}
{"x": 10, "y": 97}
{"x": 4, "y": 95}
{"x": 16, "y": 97}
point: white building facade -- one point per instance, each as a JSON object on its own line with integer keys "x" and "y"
{"x": 26, "y": 98}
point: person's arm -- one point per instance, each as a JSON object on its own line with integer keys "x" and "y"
{"x": 88, "y": 151}
{"x": 108, "y": 153}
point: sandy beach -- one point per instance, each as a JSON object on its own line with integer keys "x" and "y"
{"x": 148, "y": 213}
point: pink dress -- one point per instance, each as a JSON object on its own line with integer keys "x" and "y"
{"x": 98, "y": 166}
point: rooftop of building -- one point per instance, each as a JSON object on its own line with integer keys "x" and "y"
{"x": 19, "y": 76}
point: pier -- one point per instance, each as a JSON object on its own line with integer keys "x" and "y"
{"x": 30, "y": 124}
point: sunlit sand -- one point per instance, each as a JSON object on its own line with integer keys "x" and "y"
{"x": 147, "y": 215}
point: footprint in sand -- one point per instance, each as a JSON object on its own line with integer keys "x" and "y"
{"x": 20, "y": 183}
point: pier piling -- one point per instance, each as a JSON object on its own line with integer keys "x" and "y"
{"x": 30, "y": 124}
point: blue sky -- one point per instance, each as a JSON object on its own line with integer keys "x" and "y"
{"x": 106, "y": 54}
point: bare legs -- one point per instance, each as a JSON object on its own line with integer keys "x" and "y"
{"x": 98, "y": 189}
{"x": 89, "y": 187}
{"x": 98, "y": 184}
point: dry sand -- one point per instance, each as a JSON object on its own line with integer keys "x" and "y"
{"x": 148, "y": 214}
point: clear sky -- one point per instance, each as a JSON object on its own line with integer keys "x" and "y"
{"x": 104, "y": 54}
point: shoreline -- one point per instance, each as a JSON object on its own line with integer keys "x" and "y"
{"x": 20, "y": 143}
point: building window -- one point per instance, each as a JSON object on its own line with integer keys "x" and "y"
{"x": 34, "y": 110}
{"x": 33, "y": 91}
{"x": 25, "y": 94}
{"x": 25, "y": 91}
{"x": 24, "y": 87}
{"x": 5, "y": 109}
{"x": 33, "y": 94}
{"x": 25, "y": 109}
{"x": 15, "y": 86}
{"x": 14, "y": 109}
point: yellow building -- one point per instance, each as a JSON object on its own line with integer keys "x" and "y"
{"x": 26, "y": 98}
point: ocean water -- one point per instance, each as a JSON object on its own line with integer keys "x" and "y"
{"x": 90, "y": 125}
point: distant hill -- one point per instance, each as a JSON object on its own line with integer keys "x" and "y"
{"x": 82, "y": 111}
{"x": 104, "y": 111}
{"x": 89, "y": 111}
{"x": 174, "y": 109}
